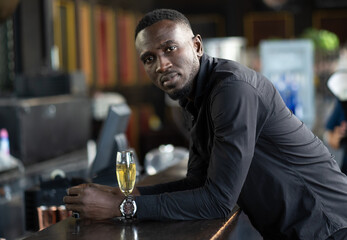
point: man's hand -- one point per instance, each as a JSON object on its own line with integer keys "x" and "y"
{"x": 94, "y": 201}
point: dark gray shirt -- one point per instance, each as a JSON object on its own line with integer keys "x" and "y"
{"x": 248, "y": 148}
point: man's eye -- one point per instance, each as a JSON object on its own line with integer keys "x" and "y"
{"x": 148, "y": 60}
{"x": 171, "y": 48}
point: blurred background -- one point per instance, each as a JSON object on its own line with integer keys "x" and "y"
{"x": 85, "y": 48}
{"x": 64, "y": 62}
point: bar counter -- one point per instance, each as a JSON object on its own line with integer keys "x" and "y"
{"x": 72, "y": 228}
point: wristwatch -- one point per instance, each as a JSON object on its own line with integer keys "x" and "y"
{"x": 128, "y": 207}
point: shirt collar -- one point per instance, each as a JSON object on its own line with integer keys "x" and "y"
{"x": 202, "y": 82}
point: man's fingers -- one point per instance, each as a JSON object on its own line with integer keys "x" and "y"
{"x": 74, "y": 207}
{"x": 71, "y": 200}
{"x": 76, "y": 190}
{"x": 73, "y": 191}
{"x": 77, "y": 210}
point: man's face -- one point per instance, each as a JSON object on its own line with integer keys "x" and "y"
{"x": 170, "y": 54}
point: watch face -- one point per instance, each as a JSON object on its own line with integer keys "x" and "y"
{"x": 128, "y": 207}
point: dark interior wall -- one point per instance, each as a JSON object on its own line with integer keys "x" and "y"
{"x": 234, "y": 11}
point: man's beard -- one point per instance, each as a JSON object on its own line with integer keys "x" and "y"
{"x": 187, "y": 89}
{"x": 182, "y": 93}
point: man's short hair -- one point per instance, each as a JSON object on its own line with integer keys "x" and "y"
{"x": 161, "y": 14}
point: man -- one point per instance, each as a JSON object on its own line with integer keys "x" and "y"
{"x": 246, "y": 147}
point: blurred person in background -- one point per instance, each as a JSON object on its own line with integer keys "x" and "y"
{"x": 336, "y": 127}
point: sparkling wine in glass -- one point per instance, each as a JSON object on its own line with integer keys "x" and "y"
{"x": 126, "y": 171}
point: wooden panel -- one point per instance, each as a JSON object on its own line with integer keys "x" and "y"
{"x": 268, "y": 25}
{"x": 208, "y": 25}
{"x": 332, "y": 20}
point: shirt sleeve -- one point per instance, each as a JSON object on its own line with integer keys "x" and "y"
{"x": 180, "y": 185}
{"x": 234, "y": 117}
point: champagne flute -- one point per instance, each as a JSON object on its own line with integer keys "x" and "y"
{"x": 126, "y": 172}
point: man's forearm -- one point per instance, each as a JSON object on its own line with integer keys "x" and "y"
{"x": 180, "y": 185}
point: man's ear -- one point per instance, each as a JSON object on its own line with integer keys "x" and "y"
{"x": 198, "y": 45}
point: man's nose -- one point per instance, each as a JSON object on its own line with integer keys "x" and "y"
{"x": 163, "y": 64}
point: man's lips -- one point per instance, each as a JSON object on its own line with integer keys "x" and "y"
{"x": 168, "y": 79}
